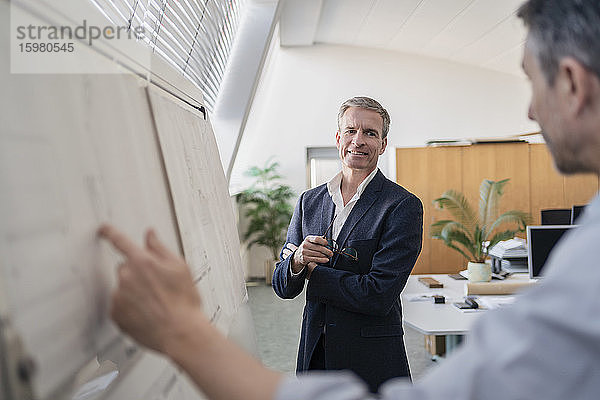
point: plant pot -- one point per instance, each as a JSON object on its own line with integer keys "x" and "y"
{"x": 269, "y": 269}
{"x": 479, "y": 272}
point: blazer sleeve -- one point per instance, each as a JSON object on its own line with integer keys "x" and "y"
{"x": 284, "y": 285}
{"x": 375, "y": 293}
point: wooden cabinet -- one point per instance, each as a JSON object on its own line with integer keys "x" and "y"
{"x": 534, "y": 185}
{"x": 550, "y": 189}
{"x": 434, "y": 170}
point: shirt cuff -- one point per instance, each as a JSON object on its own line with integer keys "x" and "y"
{"x": 293, "y": 274}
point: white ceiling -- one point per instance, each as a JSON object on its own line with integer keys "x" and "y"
{"x": 484, "y": 33}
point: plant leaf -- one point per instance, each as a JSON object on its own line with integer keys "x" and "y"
{"x": 451, "y": 232}
{"x": 490, "y": 193}
{"x": 471, "y": 231}
{"x": 266, "y": 205}
{"x": 459, "y": 207}
{"x": 450, "y": 237}
{"x": 515, "y": 216}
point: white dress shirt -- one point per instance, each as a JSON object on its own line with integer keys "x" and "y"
{"x": 334, "y": 187}
{"x": 341, "y": 213}
{"x": 544, "y": 346}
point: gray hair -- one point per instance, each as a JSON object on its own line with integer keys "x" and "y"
{"x": 369, "y": 104}
{"x": 563, "y": 28}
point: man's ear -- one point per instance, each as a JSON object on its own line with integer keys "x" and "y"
{"x": 337, "y": 139}
{"x": 383, "y": 145}
{"x": 574, "y": 82}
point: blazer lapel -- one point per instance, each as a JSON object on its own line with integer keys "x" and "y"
{"x": 366, "y": 201}
{"x": 327, "y": 210}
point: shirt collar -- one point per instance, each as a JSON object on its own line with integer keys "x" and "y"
{"x": 334, "y": 185}
{"x": 363, "y": 185}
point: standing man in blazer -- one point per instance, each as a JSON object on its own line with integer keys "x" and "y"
{"x": 355, "y": 239}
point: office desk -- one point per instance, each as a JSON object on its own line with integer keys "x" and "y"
{"x": 438, "y": 319}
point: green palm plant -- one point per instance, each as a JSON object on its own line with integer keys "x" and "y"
{"x": 470, "y": 232}
{"x": 268, "y": 208}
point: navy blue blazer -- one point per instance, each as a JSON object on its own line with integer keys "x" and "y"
{"x": 357, "y": 303}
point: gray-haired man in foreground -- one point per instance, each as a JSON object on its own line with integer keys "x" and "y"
{"x": 546, "y": 346}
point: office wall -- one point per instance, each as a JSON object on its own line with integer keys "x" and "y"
{"x": 301, "y": 89}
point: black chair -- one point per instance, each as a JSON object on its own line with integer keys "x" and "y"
{"x": 556, "y": 216}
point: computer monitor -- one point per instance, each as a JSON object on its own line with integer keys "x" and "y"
{"x": 575, "y": 211}
{"x": 540, "y": 242}
{"x": 557, "y": 216}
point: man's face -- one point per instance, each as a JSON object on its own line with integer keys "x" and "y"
{"x": 359, "y": 139}
{"x": 548, "y": 108}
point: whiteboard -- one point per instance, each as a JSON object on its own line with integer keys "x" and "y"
{"x": 203, "y": 207}
{"x": 76, "y": 151}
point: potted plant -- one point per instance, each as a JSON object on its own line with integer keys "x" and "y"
{"x": 473, "y": 234}
{"x": 268, "y": 209}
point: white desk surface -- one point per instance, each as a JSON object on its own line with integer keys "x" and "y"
{"x": 437, "y": 319}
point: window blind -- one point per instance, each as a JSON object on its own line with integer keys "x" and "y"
{"x": 194, "y": 36}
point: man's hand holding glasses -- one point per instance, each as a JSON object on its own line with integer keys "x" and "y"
{"x": 312, "y": 251}
{"x": 315, "y": 250}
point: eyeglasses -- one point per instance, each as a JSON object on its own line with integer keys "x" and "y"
{"x": 348, "y": 252}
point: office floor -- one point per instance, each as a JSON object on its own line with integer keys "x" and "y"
{"x": 277, "y": 324}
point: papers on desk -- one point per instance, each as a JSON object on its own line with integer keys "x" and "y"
{"x": 468, "y": 310}
{"x": 486, "y": 303}
{"x": 492, "y": 302}
{"x": 511, "y": 248}
{"x": 427, "y": 296}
